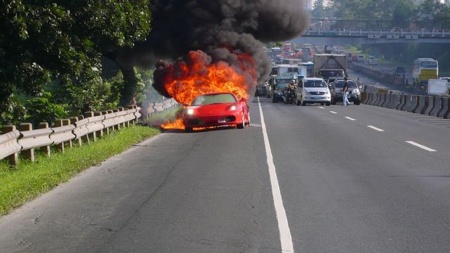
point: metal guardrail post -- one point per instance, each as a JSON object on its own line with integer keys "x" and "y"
{"x": 59, "y": 146}
{"x": 11, "y": 134}
{"x": 99, "y": 132}
{"x": 29, "y": 153}
{"x": 45, "y": 149}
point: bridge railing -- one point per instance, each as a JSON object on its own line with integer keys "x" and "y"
{"x": 377, "y": 34}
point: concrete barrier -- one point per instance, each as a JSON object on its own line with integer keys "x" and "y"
{"x": 395, "y": 101}
{"x": 373, "y": 97}
{"x": 423, "y": 104}
{"x": 414, "y": 104}
{"x": 382, "y": 99}
{"x": 370, "y": 96}
{"x": 386, "y": 100}
{"x": 408, "y": 103}
{"x": 437, "y": 105}
{"x": 429, "y": 103}
{"x": 444, "y": 107}
{"x": 363, "y": 97}
{"x": 401, "y": 103}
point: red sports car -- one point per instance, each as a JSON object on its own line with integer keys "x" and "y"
{"x": 216, "y": 109}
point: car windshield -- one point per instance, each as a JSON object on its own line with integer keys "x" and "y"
{"x": 340, "y": 84}
{"x": 214, "y": 99}
{"x": 282, "y": 83}
{"x": 315, "y": 83}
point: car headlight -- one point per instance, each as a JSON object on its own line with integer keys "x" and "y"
{"x": 233, "y": 108}
{"x": 190, "y": 111}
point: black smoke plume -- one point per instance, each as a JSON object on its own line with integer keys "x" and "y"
{"x": 180, "y": 26}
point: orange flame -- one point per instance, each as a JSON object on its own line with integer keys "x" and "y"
{"x": 198, "y": 76}
{"x": 177, "y": 124}
{"x": 186, "y": 80}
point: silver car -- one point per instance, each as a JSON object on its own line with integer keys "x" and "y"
{"x": 313, "y": 90}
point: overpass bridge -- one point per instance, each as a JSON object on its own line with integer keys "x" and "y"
{"x": 349, "y": 37}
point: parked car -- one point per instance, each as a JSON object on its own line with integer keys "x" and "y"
{"x": 354, "y": 94}
{"x": 313, "y": 90}
{"x": 214, "y": 110}
{"x": 361, "y": 58}
{"x": 372, "y": 60}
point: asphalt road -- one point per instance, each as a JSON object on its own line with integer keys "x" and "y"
{"x": 301, "y": 178}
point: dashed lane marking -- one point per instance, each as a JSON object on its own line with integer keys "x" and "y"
{"x": 375, "y": 128}
{"x": 421, "y": 146}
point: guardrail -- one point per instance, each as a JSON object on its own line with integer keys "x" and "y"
{"x": 431, "y": 105}
{"x": 83, "y": 129}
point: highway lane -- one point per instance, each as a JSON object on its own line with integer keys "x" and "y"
{"x": 348, "y": 178}
{"x": 352, "y": 188}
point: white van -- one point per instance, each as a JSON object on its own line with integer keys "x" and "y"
{"x": 313, "y": 90}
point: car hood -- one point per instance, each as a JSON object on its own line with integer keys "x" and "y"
{"x": 316, "y": 89}
{"x": 340, "y": 89}
{"x": 213, "y": 109}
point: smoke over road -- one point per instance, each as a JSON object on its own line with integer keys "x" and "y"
{"x": 223, "y": 30}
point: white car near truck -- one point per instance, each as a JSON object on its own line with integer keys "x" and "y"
{"x": 313, "y": 90}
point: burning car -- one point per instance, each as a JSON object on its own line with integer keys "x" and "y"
{"x": 215, "y": 110}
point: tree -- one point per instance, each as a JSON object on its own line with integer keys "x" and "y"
{"x": 42, "y": 41}
{"x": 402, "y": 14}
{"x": 432, "y": 14}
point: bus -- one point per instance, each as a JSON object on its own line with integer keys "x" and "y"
{"x": 425, "y": 69}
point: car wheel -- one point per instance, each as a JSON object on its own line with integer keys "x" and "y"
{"x": 242, "y": 124}
{"x": 357, "y": 102}
{"x": 188, "y": 129}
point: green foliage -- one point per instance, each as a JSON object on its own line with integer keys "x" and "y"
{"x": 28, "y": 180}
{"x": 62, "y": 42}
{"x": 41, "y": 109}
{"x": 15, "y": 112}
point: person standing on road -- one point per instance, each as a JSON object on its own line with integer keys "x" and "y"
{"x": 345, "y": 92}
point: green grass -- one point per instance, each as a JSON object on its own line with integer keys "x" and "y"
{"x": 28, "y": 179}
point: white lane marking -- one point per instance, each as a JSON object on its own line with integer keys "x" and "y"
{"x": 421, "y": 146}
{"x": 350, "y": 118}
{"x": 321, "y": 107}
{"x": 283, "y": 225}
{"x": 333, "y": 112}
{"x": 375, "y": 128}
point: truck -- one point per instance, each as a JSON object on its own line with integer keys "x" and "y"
{"x": 330, "y": 65}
